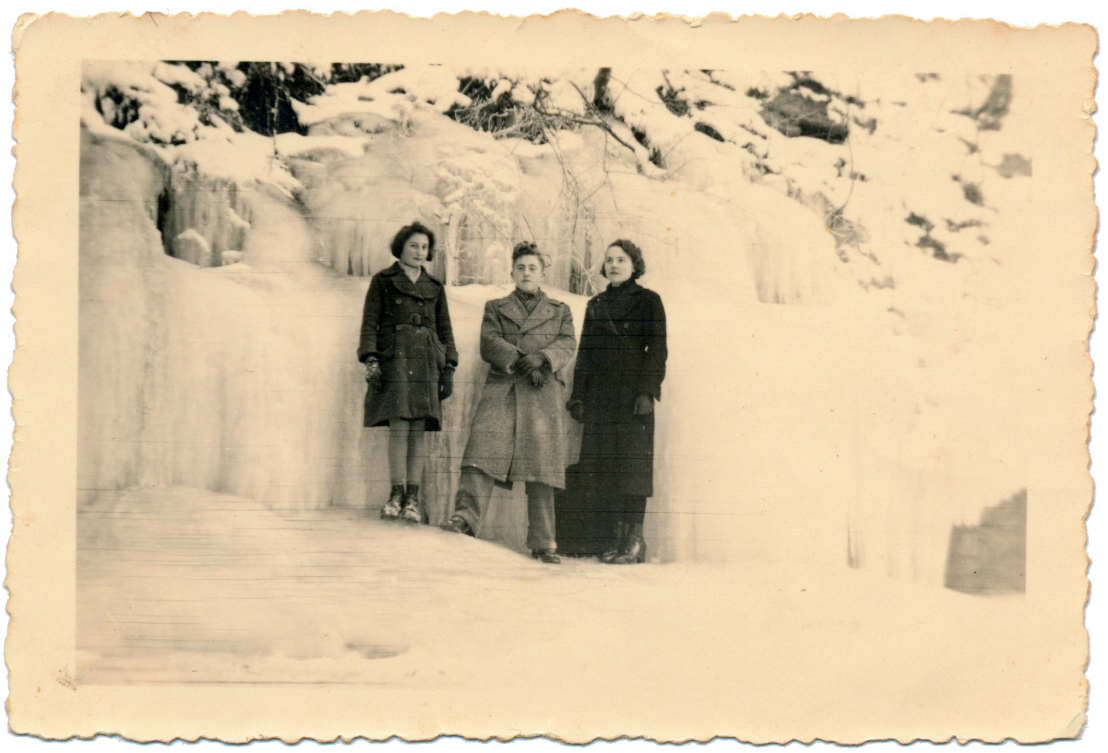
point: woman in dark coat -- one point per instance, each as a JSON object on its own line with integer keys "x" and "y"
{"x": 407, "y": 346}
{"x": 621, "y": 363}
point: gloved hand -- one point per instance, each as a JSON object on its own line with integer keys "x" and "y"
{"x": 577, "y": 410}
{"x": 373, "y": 374}
{"x": 539, "y": 376}
{"x": 644, "y": 405}
{"x": 446, "y": 382}
{"x": 528, "y": 363}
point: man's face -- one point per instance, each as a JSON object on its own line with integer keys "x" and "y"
{"x": 527, "y": 273}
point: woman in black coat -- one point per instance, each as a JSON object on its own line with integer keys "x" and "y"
{"x": 621, "y": 363}
{"x": 407, "y": 346}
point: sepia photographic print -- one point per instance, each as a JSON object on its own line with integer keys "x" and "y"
{"x": 602, "y": 379}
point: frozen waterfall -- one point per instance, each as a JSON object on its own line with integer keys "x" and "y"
{"x": 780, "y": 428}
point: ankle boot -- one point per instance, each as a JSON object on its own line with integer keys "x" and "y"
{"x": 412, "y": 512}
{"x": 391, "y": 510}
{"x": 634, "y": 547}
{"x": 615, "y": 548}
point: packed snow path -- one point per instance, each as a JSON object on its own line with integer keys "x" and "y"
{"x": 184, "y": 585}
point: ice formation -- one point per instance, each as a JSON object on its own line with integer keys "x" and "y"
{"x": 825, "y": 296}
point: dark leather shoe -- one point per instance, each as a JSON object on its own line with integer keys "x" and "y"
{"x": 615, "y": 548}
{"x": 634, "y": 547}
{"x": 546, "y": 555}
{"x": 457, "y": 525}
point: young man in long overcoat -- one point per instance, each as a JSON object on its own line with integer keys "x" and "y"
{"x": 519, "y": 430}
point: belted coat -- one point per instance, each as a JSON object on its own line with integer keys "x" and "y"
{"x": 406, "y": 325}
{"x": 623, "y": 355}
{"x": 519, "y": 431}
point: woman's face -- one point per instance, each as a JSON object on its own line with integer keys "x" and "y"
{"x": 415, "y": 250}
{"x": 618, "y": 266}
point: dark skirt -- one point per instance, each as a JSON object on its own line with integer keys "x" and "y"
{"x": 618, "y": 455}
{"x": 585, "y": 517}
{"x": 410, "y": 388}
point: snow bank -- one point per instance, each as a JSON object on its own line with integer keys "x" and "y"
{"x": 240, "y": 157}
{"x": 113, "y": 87}
{"x": 391, "y": 98}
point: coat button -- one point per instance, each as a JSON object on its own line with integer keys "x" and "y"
{"x": 625, "y": 325}
{"x": 421, "y": 303}
{"x": 399, "y": 301}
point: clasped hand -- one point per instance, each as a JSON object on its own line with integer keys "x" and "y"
{"x": 534, "y": 367}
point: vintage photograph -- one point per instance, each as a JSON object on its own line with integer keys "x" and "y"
{"x": 583, "y": 390}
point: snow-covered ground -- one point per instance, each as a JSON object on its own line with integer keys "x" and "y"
{"x": 182, "y": 585}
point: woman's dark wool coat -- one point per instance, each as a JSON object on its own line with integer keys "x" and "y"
{"x": 622, "y": 355}
{"x": 406, "y": 325}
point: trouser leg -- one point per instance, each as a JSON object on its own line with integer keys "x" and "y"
{"x": 540, "y": 517}
{"x": 474, "y": 491}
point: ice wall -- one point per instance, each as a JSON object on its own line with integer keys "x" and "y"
{"x": 239, "y": 378}
{"x": 818, "y": 428}
{"x": 570, "y": 196}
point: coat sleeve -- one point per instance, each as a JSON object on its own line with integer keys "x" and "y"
{"x": 654, "y": 364}
{"x": 560, "y": 352}
{"x": 583, "y": 368}
{"x": 371, "y": 319}
{"x": 494, "y": 348}
{"x": 445, "y": 328}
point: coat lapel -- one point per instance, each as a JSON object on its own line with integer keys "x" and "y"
{"x": 604, "y": 316}
{"x": 544, "y": 311}
{"x": 513, "y": 310}
{"x": 424, "y": 287}
{"x": 606, "y": 313}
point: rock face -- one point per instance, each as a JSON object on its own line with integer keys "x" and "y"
{"x": 991, "y": 557}
{"x": 802, "y": 110}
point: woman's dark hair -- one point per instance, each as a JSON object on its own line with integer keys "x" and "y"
{"x": 527, "y": 248}
{"x": 634, "y": 252}
{"x": 406, "y": 232}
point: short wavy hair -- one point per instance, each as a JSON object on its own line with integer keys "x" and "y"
{"x": 406, "y": 232}
{"x": 629, "y": 248}
{"x": 527, "y": 248}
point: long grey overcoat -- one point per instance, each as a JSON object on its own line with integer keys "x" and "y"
{"x": 519, "y": 431}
